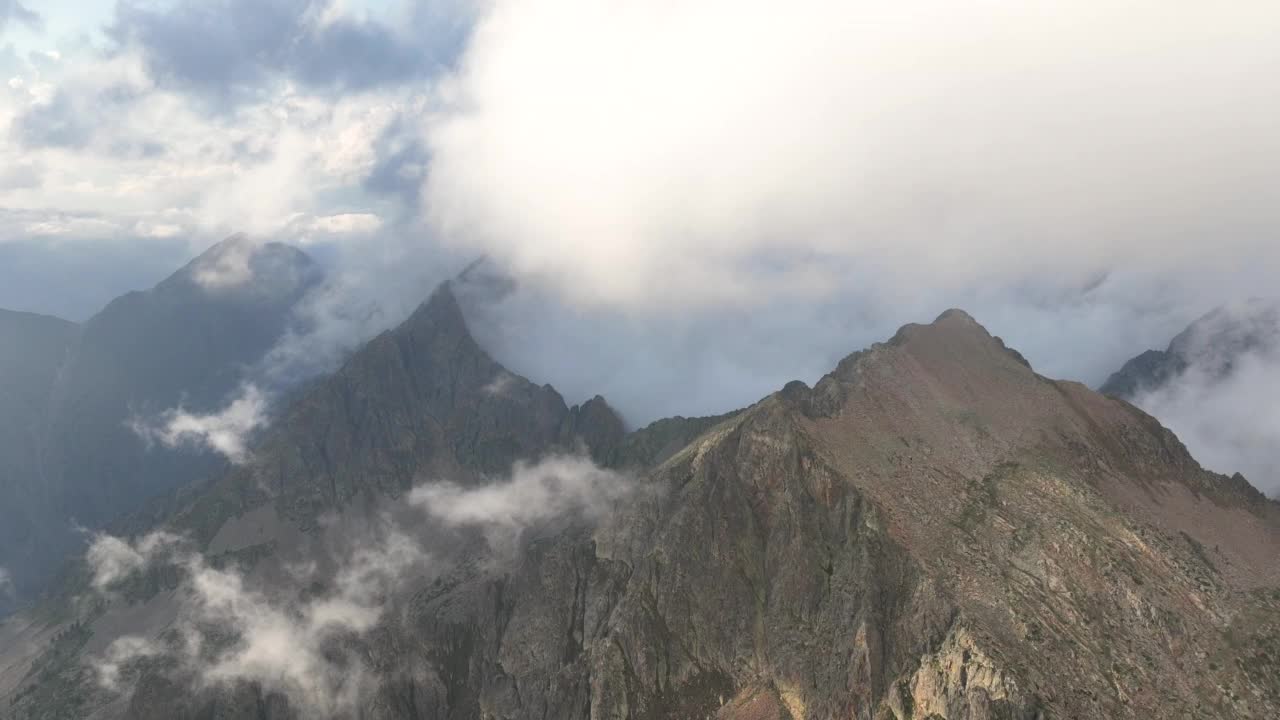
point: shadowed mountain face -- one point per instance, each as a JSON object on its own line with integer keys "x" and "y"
{"x": 32, "y": 348}
{"x": 187, "y": 342}
{"x": 931, "y": 531}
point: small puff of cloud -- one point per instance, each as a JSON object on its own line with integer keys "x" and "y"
{"x": 501, "y": 383}
{"x": 113, "y": 559}
{"x": 557, "y": 486}
{"x": 225, "y": 432}
{"x": 122, "y": 651}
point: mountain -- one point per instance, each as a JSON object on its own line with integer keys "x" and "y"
{"x": 422, "y": 399}
{"x": 1213, "y": 344}
{"x": 188, "y": 341}
{"x": 32, "y": 348}
{"x": 931, "y": 531}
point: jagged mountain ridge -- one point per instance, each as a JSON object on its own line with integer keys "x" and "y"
{"x": 892, "y": 544}
{"x": 188, "y": 341}
{"x": 932, "y": 530}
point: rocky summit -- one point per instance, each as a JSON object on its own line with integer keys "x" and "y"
{"x": 932, "y": 530}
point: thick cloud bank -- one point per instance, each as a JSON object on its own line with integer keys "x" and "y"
{"x": 682, "y": 153}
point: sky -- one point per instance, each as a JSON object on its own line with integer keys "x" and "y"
{"x": 700, "y": 200}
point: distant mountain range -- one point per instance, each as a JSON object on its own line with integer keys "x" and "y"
{"x": 932, "y": 530}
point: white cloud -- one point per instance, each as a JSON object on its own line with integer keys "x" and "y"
{"x": 113, "y": 559}
{"x": 120, "y": 652}
{"x": 115, "y": 142}
{"x": 500, "y": 384}
{"x": 347, "y": 223}
{"x": 554, "y": 487}
{"x": 225, "y": 432}
{"x": 718, "y": 152}
{"x": 157, "y": 230}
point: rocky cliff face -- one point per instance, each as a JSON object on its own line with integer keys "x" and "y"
{"x": 931, "y": 531}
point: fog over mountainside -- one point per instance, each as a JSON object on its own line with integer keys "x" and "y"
{"x": 1216, "y": 386}
{"x": 77, "y": 396}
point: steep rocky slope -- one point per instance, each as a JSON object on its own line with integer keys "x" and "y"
{"x": 931, "y": 531}
{"x": 187, "y": 341}
{"x": 32, "y": 348}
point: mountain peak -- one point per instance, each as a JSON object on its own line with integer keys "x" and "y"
{"x": 438, "y": 317}
{"x": 954, "y": 337}
{"x": 956, "y": 315}
{"x": 239, "y": 262}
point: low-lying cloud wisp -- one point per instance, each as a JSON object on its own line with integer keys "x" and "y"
{"x": 556, "y": 487}
{"x": 226, "y": 432}
{"x": 113, "y": 559}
